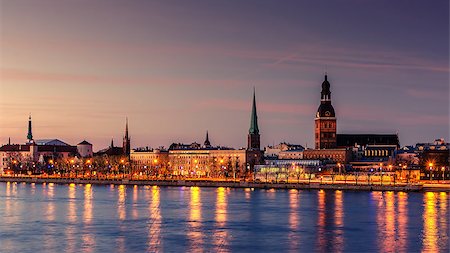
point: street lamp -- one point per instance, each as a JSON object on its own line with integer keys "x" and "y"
{"x": 430, "y": 165}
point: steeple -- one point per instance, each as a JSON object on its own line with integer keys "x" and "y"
{"x": 112, "y": 143}
{"x": 207, "y": 143}
{"x": 126, "y": 140}
{"x": 9, "y": 141}
{"x": 253, "y": 132}
{"x": 126, "y": 129}
{"x": 254, "y": 117}
{"x": 326, "y": 93}
{"x": 325, "y": 121}
{"x": 30, "y": 134}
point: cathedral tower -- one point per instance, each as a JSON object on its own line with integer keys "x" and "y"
{"x": 126, "y": 141}
{"x": 30, "y": 134}
{"x": 253, "y": 133}
{"x": 325, "y": 122}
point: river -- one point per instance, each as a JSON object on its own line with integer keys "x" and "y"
{"x": 91, "y": 218}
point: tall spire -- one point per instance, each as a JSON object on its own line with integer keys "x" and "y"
{"x": 112, "y": 143}
{"x": 207, "y": 143}
{"x": 254, "y": 117}
{"x": 30, "y": 134}
{"x": 9, "y": 141}
{"x": 126, "y": 129}
{"x": 253, "y": 132}
{"x": 126, "y": 141}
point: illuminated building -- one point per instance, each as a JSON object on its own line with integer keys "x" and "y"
{"x": 38, "y": 152}
{"x": 325, "y": 121}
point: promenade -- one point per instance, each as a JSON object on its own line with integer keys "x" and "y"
{"x": 303, "y": 185}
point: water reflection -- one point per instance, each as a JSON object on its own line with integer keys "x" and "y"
{"x": 134, "y": 211}
{"x": 72, "y": 218}
{"x": 195, "y": 221}
{"x": 294, "y": 235}
{"x": 402, "y": 221}
{"x": 49, "y": 239}
{"x": 430, "y": 232}
{"x": 121, "y": 211}
{"x": 338, "y": 222}
{"x": 154, "y": 228}
{"x": 221, "y": 237}
{"x": 321, "y": 212}
{"x": 87, "y": 238}
{"x": 443, "y": 216}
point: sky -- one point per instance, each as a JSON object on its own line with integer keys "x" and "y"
{"x": 179, "y": 68}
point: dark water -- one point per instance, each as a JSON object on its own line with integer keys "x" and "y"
{"x": 85, "y": 218}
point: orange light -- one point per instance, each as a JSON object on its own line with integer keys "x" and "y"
{"x": 72, "y": 161}
{"x": 155, "y": 161}
{"x": 88, "y": 161}
{"x": 430, "y": 164}
{"x": 122, "y": 161}
{"x": 195, "y": 161}
{"x": 221, "y": 160}
{"x": 51, "y": 161}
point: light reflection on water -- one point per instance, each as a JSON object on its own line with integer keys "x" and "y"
{"x": 154, "y": 225}
{"x": 220, "y": 232}
{"x": 195, "y": 221}
{"x": 88, "y": 218}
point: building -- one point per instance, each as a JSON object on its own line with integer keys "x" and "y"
{"x": 332, "y": 155}
{"x": 85, "y": 150}
{"x": 35, "y": 154}
{"x": 254, "y": 143}
{"x": 285, "y": 150}
{"x": 325, "y": 121}
{"x": 196, "y": 160}
{"x": 126, "y": 142}
{"x": 354, "y": 140}
{"x": 123, "y": 152}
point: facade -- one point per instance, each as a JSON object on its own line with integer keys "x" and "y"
{"x": 333, "y": 155}
{"x": 85, "y": 150}
{"x": 354, "y": 140}
{"x": 325, "y": 121}
{"x": 146, "y": 159}
{"x": 292, "y": 150}
{"x": 212, "y": 162}
{"x": 27, "y": 156}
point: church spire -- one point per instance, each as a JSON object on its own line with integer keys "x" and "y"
{"x": 253, "y": 132}
{"x": 126, "y": 128}
{"x": 30, "y": 134}
{"x": 207, "y": 143}
{"x": 254, "y": 117}
{"x": 112, "y": 143}
{"x": 126, "y": 141}
{"x": 9, "y": 141}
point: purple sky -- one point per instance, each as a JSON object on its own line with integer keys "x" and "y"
{"x": 179, "y": 68}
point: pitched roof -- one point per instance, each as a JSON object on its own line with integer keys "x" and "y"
{"x": 84, "y": 143}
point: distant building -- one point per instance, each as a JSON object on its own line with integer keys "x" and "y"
{"x": 196, "y": 160}
{"x": 325, "y": 121}
{"x": 85, "y": 150}
{"x": 112, "y": 150}
{"x": 352, "y": 140}
{"x": 284, "y": 149}
{"x": 27, "y": 156}
{"x": 332, "y": 155}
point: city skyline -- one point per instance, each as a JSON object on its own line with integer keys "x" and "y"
{"x": 175, "y": 76}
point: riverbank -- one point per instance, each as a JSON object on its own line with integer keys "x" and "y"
{"x": 178, "y": 183}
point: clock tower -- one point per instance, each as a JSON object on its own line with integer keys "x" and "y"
{"x": 325, "y": 121}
